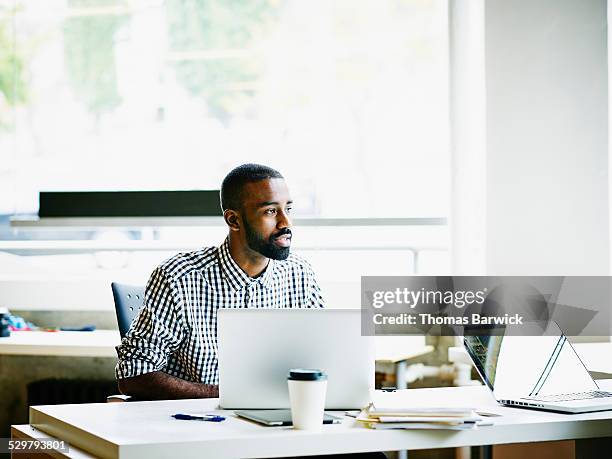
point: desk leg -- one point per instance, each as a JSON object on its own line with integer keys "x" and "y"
{"x": 400, "y": 375}
{"x": 593, "y": 448}
{"x": 400, "y": 384}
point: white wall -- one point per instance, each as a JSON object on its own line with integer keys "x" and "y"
{"x": 546, "y": 138}
{"x": 468, "y": 157}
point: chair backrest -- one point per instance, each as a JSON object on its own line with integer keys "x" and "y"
{"x": 128, "y": 300}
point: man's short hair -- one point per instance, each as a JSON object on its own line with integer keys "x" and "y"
{"x": 233, "y": 183}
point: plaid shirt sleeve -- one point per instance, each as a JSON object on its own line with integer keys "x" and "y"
{"x": 156, "y": 332}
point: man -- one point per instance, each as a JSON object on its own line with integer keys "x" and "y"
{"x": 170, "y": 350}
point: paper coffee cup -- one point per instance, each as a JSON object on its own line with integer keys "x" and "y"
{"x": 307, "y": 390}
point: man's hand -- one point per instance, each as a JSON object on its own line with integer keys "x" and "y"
{"x": 162, "y": 386}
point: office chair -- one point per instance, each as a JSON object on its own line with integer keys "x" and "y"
{"x": 128, "y": 300}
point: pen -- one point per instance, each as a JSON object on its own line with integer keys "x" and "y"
{"x": 206, "y": 417}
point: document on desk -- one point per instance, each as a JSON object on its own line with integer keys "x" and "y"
{"x": 421, "y": 426}
{"x": 420, "y": 418}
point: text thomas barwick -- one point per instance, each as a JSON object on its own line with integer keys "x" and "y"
{"x": 431, "y": 319}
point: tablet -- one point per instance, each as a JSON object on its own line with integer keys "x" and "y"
{"x": 278, "y": 417}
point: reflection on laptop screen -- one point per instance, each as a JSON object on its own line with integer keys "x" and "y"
{"x": 484, "y": 350}
{"x": 528, "y": 366}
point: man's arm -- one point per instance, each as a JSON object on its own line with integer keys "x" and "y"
{"x": 157, "y": 332}
{"x": 158, "y": 385}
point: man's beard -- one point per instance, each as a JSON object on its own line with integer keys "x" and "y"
{"x": 266, "y": 247}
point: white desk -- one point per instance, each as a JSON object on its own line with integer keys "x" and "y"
{"x": 145, "y": 429}
{"x": 99, "y": 343}
{"x": 397, "y": 351}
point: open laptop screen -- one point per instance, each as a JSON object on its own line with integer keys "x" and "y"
{"x": 527, "y": 366}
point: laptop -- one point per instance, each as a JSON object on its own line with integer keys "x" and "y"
{"x": 536, "y": 372}
{"x": 258, "y": 347}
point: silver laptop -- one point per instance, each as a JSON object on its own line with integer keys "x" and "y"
{"x": 257, "y": 347}
{"x": 537, "y": 372}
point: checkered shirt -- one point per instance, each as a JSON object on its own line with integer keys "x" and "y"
{"x": 175, "y": 330}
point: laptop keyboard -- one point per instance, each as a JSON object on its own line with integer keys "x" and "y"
{"x": 570, "y": 397}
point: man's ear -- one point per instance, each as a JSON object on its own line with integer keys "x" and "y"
{"x": 232, "y": 219}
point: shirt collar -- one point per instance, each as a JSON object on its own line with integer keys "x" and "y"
{"x": 236, "y": 277}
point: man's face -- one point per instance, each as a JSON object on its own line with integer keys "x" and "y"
{"x": 266, "y": 207}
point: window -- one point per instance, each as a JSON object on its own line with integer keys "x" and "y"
{"x": 348, "y": 98}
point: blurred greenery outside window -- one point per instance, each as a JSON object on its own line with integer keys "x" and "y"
{"x": 348, "y": 98}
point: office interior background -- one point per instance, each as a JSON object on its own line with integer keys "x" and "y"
{"x": 426, "y": 137}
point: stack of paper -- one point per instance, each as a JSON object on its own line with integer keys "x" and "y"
{"x": 419, "y": 418}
